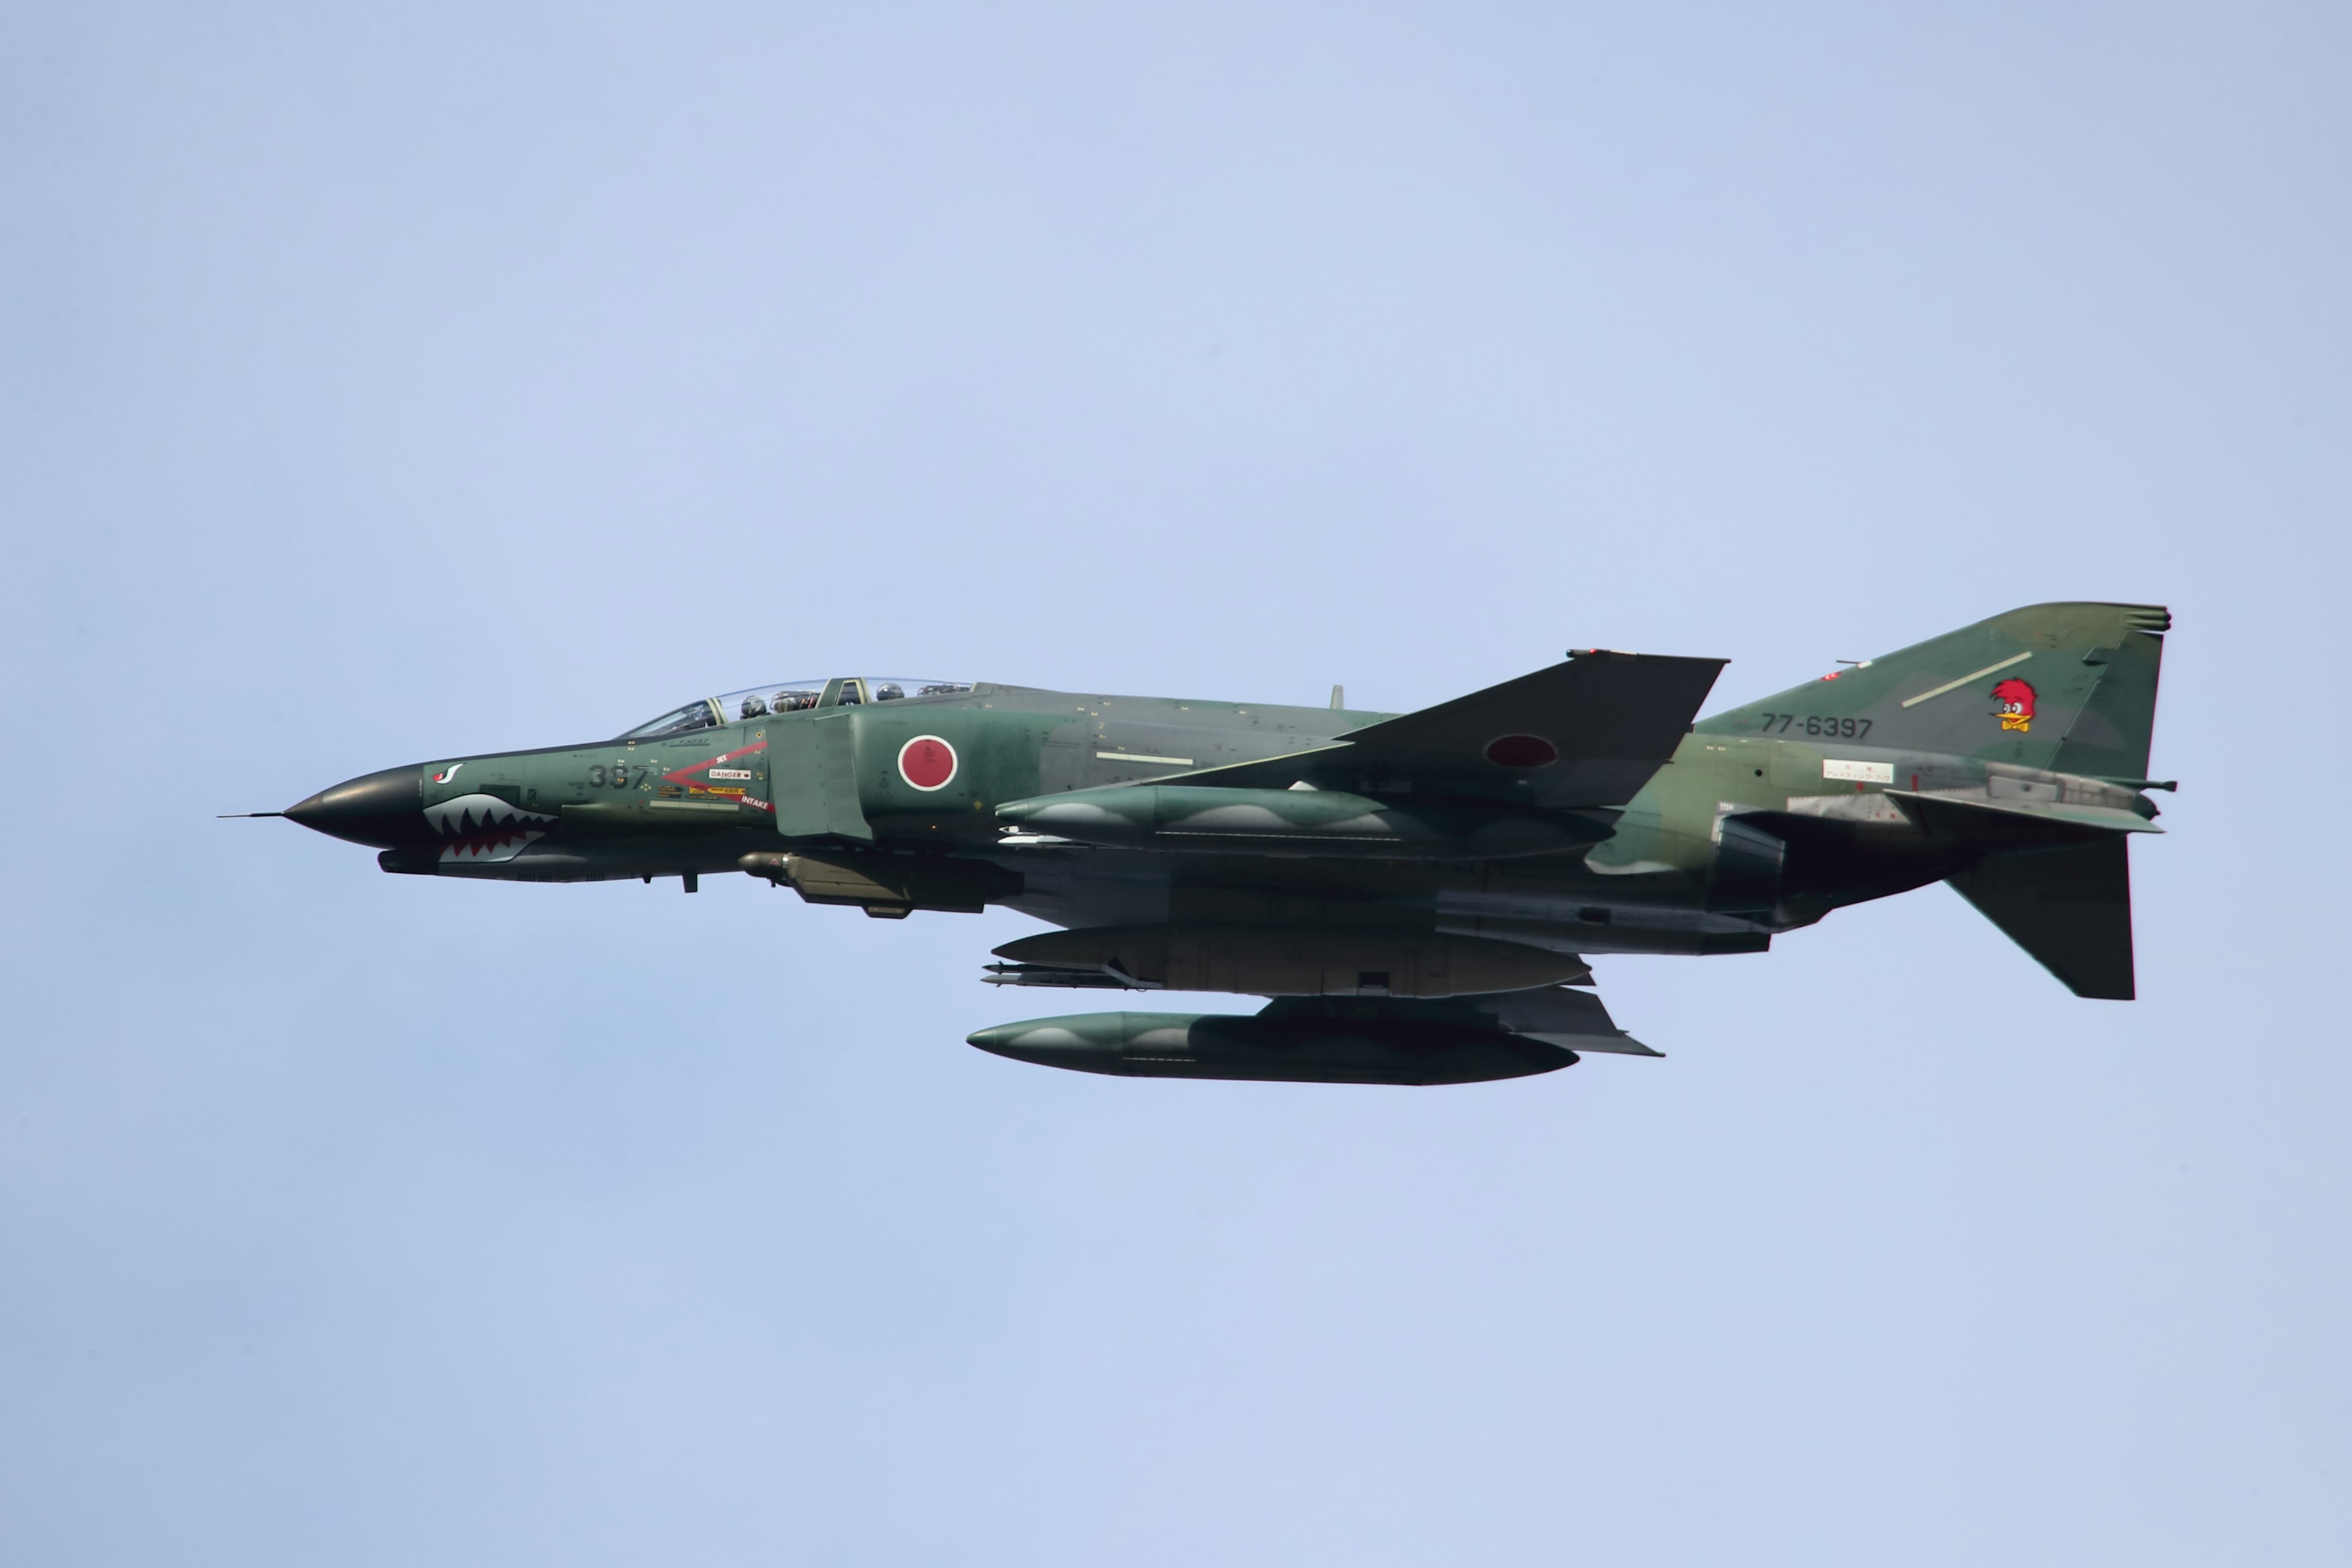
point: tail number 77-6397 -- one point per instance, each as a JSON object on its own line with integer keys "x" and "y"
{"x": 1842, "y": 729}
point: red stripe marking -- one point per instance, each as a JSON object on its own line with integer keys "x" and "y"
{"x": 679, "y": 776}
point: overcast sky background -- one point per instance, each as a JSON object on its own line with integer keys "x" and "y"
{"x": 383, "y": 383}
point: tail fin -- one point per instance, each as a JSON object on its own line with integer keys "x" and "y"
{"x": 2070, "y": 908}
{"x": 2067, "y": 686}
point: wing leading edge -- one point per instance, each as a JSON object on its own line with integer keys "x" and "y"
{"x": 1585, "y": 732}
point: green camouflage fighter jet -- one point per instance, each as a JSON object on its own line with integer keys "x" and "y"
{"x": 1416, "y": 893}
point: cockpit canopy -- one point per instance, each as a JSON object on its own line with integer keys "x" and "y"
{"x": 791, "y": 696}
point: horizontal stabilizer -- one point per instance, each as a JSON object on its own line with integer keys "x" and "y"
{"x": 2070, "y": 908}
{"x": 1587, "y": 732}
{"x": 1963, "y": 816}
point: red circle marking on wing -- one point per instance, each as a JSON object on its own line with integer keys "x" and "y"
{"x": 1521, "y": 751}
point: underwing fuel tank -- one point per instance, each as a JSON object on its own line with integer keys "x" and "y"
{"x": 888, "y": 887}
{"x": 1299, "y": 821}
{"x": 1291, "y": 1042}
{"x": 1286, "y": 961}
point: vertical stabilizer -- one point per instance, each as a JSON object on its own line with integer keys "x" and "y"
{"x": 2110, "y": 738}
{"x": 2067, "y": 686}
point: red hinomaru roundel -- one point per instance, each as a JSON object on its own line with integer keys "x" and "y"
{"x": 927, "y": 763}
{"x": 2016, "y": 699}
{"x": 1521, "y": 751}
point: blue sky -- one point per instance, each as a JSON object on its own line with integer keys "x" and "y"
{"x": 379, "y": 386}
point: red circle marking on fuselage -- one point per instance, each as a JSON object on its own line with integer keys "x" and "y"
{"x": 927, "y": 763}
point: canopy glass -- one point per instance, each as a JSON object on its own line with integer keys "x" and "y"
{"x": 791, "y": 696}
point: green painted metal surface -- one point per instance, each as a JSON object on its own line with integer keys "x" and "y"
{"x": 1580, "y": 809}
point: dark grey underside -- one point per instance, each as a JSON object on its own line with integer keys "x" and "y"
{"x": 1554, "y": 902}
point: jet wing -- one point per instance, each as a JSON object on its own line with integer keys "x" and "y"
{"x": 1589, "y": 732}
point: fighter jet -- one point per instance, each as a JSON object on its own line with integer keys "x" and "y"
{"x": 1414, "y": 895}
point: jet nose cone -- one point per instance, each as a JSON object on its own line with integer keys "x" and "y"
{"x": 385, "y": 810}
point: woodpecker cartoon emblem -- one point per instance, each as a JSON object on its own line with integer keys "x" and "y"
{"x": 2016, "y": 699}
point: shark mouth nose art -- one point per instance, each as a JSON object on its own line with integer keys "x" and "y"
{"x": 482, "y": 829}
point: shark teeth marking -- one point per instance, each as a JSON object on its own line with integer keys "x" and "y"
{"x": 484, "y": 830}
{"x": 470, "y": 816}
{"x": 489, "y": 848}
